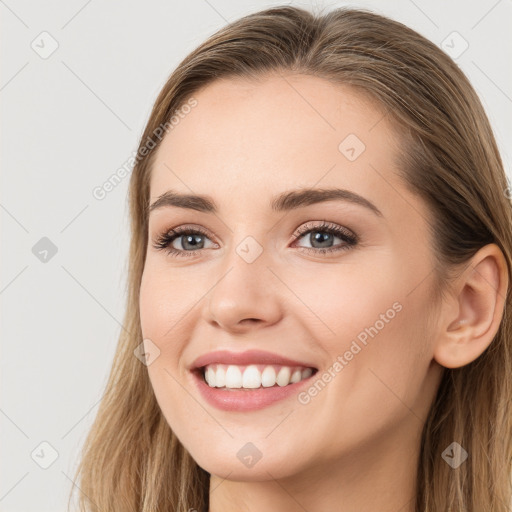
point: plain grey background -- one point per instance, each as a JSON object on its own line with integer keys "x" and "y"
{"x": 70, "y": 119}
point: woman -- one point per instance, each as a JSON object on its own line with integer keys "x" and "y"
{"x": 318, "y": 314}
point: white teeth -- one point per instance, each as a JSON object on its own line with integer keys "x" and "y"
{"x": 220, "y": 377}
{"x": 268, "y": 377}
{"x": 283, "y": 377}
{"x": 210, "y": 376}
{"x": 233, "y": 377}
{"x": 296, "y": 376}
{"x": 252, "y": 376}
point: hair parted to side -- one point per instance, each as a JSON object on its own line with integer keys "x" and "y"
{"x": 131, "y": 460}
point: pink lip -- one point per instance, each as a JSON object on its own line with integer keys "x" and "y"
{"x": 240, "y": 399}
{"x": 245, "y": 358}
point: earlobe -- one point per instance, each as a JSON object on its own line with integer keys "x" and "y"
{"x": 472, "y": 315}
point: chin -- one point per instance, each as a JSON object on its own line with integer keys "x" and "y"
{"x": 243, "y": 462}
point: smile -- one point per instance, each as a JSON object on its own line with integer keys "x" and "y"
{"x": 250, "y": 380}
{"x": 253, "y": 376}
{"x": 243, "y": 399}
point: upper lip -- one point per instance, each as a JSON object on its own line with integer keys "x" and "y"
{"x": 245, "y": 358}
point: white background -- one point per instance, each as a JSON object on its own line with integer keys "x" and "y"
{"x": 69, "y": 122}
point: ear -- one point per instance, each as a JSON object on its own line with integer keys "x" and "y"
{"x": 472, "y": 315}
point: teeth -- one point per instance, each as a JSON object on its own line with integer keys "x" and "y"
{"x": 307, "y": 373}
{"x": 283, "y": 377}
{"x": 220, "y": 377}
{"x": 233, "y": 377}
{"x": 268, "y": 377}
{"x": 253, "y": 376}
{"x": 296, "y": 376}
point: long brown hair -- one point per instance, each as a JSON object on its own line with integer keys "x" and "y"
{"x": 131, "y": 459}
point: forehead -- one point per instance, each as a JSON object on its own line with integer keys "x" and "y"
{"x": 255, "y": 138}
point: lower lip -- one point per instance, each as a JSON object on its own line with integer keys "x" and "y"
{"x": 241, "y": 399}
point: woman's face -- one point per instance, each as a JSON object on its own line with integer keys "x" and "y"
{"x": 349, "y": 299}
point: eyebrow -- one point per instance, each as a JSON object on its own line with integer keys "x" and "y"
{"x": 290, "y": 200}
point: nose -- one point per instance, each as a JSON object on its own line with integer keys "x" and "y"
{"x": 246, "y": 296}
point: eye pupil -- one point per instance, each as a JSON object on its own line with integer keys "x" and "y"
{"x": 317, "y": 236}
{"x": 192, "y": 241}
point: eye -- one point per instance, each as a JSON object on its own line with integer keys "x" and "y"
{"x": 192, "y": 239}
{"x": 323, "y": 235}
{"x": 188, "y": 238}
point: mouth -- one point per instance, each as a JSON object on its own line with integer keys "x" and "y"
{"x": 249, "y": 380}
{"x": 252, "y": 376}
{"x": 236, "y": 388}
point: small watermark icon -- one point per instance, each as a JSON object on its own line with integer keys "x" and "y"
{"x": 249, "y": 249}
{"x": 147, "y": 352}
{"x": 249, "y": 455}
{"x": 44, "y": 45}
{"x": 454, "y": 455}
{"x": 454, "y": 45}
{"x": 351, "y": 147}
{"x": 44, "y": 250}
{"x": 44, "y": 455}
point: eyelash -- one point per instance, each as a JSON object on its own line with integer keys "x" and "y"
{"x": 164, "y": 241}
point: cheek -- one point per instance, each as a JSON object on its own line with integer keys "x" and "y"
{"x": 375, "y": 297}
{"x": 162, "y": 317}
{"x": 378, "y": 384}
{"x": 347, "y": 298}
{"x": 164, "y": 300}
{"x": 152, "y": 303}
{"x": 374, "y": 325}
{"x": 161, "y": 310}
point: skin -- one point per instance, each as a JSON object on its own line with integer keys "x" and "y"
{"x": 354, "y": 446}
